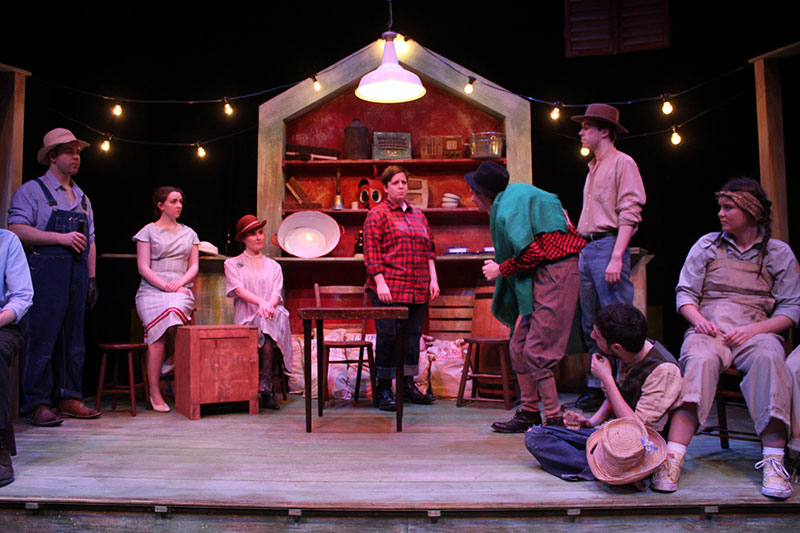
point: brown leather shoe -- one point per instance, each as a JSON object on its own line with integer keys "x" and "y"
{"x": 6, "y": 468}
{"x": 75, "y": 409}
{"x": 44, "y": 417}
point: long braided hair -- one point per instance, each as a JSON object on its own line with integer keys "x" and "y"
{"x": 764, "y": 221}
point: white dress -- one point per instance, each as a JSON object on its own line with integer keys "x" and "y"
{"x": 263, "y": 277}
{"x": 170, "y": 249}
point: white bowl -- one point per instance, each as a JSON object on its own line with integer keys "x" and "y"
{"x": 449, "y": 204}
{"x": 308, "y": 234}
{"x": 451, "y": 196}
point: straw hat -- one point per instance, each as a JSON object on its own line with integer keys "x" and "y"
{"x": 246, "y": 224}
{"x": 624, "y": 451}
{"x": 603, "y": 113}
{"x": 52, "y": 139}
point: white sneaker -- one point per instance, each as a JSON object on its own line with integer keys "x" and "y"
{"x": 667, "y": 475}
{"x": 775, "y": 482}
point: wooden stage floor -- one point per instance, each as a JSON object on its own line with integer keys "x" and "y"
{"x": 447, "y": 459}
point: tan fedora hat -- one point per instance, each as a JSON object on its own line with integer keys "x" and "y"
{"x": 52, "y": 139}
{"x": 607, "y": 114}
{"x": 624, "y": 451}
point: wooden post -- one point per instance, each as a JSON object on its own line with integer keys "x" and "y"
{"x": 12, "y": 102}
{"x": 769, "y": 109}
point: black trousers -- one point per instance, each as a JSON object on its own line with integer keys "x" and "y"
{"x": 385, "y": 341}
{"x": 10, "y": 343}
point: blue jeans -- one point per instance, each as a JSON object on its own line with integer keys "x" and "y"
{"x": 385, "y": 339}
{"x": 561, "y": 451}
{"x": 595, "y": 292}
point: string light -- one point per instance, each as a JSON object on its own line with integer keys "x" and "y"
{"x": 468, "y": 87}
{"x": 106, "y": 144}
{"x": 201, "y": 152}
{"x": 317, "y": 84}
{"x": 585, "y": 151}
{"x": 555, "y": 114}
{"x": 400, "y": 44}
{"x": 675, "y": 138}
{"x": 116, "y": 110}
{"x": 228, "y": 107}
{"x": 666, "y": 107}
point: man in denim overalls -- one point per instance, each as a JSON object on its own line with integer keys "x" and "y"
{"x": 53, "y": 219}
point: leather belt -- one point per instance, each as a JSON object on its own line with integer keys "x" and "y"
{"x": 589, "y": 237}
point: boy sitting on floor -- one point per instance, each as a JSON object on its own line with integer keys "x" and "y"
{"x": 646, "y": 388}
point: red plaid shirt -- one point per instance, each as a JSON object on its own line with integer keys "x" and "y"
{"x": 546, "y": 247}
{"x": 398, "y": 244}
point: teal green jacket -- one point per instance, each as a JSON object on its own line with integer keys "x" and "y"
{"x": 519, "y": 213}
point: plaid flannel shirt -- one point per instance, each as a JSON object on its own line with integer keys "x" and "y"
{"x": 545, "y": 248}
{"x": 398, "y": 244}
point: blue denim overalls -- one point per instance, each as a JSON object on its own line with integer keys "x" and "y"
{"x": 52, "y": 362}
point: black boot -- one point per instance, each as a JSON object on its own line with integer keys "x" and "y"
{"x": 414, "y": 395}
{"x": 520, "y": 423}
{"x": 384, "y": 399}
{"x": 6, "y": 468}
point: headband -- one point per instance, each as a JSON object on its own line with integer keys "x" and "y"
{"x": 745, "y": 201}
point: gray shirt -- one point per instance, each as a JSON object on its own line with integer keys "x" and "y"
{"x": 30, "y": 207}
{"x": 779, "y": 261}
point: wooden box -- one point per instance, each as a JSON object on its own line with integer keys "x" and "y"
{"x": 215, "y": 364}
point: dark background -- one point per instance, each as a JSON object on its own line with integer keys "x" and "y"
{"x": 148, "y": 51}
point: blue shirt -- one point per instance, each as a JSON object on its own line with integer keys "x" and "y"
{"x": 16, "y": 289}
{"x": 30, "y": 207}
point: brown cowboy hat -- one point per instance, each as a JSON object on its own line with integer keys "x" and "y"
{"x": 604, "y": 113}
{"x": 624, "y": 451}
{"x": 52, "y": 139}
{"x": 247, "y": 224}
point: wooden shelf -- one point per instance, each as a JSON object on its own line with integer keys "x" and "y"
{"x": 450, "y": 164}
{"x": 446, "y": 258}
{"x": 433, "y": 214}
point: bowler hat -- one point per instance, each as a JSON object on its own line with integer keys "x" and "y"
{"x": 607, "y": 114}
{"x": 490, "y": 179}
{"x": 247, "y": 224}
{"x": 624, "y": 451}
{"x": 52, "y": 139}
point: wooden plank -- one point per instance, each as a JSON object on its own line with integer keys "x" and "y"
{"x": 450, "y": 325}
{"x": 769, "y": 107}
{"x": 445, "y": 312}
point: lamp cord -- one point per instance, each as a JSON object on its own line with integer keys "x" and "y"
{"x": 390, "y": 15}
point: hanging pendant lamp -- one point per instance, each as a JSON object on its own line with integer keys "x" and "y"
{"x": 390, "y": 83}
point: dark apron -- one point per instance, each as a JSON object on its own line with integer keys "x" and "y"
{"x": 52, "y": 363}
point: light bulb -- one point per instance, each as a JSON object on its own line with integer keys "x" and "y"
{"x": 400, "y": 45}
{"x": 117, "y": 110}
{"x": 228, "y": 107}
{"x": 317, "y": 84}
{"x": 105, "y": 145}
{"x": 468, "y": 87}
{"x": 666, "y": 107}
{"x": 201, "y": 152}
{"x": 675, "y": 138}
{"x": 555, "y": 113}
{"x": 585, "y": 151}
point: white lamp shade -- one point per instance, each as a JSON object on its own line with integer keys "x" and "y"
{"x": 390, "y": 83}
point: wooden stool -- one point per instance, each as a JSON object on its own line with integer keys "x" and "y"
{"x": 113, "y": 387}
{"x": 728, "y": 393}
{"x": 472, "y": 364}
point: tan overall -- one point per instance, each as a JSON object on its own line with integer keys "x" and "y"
{"x": 734, "y": 294}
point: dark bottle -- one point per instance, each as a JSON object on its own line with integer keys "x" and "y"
{"x": 356, "y": 143}
{"x": 358, "y": 249}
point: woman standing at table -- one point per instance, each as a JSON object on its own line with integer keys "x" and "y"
{"x": 399, "y": 256}
{"x": 167, "y": 257}
{"x": 256, "y": 282}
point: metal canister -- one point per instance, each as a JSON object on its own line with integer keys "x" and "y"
{"x": 356, "y": 143}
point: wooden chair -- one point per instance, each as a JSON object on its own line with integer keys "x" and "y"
{"x": 488, "y": 338}
{"x": 728, "y": 393}
{"x": 135, "y": 350}
{"x": 335, "y": 294}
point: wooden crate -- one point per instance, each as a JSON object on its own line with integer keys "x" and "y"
{"x": 215, "y": 364}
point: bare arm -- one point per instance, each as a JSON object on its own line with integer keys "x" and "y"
{"x": 33, "y": 236}
{"x": 601, "y": 369}
{"x": 7, "y": 317}
{"x": 434, "y": 288}
{"x": 143, "y": 263}
{"x": 700, "y": 323}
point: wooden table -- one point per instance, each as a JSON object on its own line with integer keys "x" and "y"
{"x": 318, "y": 314}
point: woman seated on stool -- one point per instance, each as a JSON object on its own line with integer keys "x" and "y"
{"x": 255, "y": 283}
{"x": 739, "y": 290}
{"x": 167, "y": 257}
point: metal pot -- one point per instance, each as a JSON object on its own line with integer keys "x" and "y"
{"x": 486, "y": 145}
